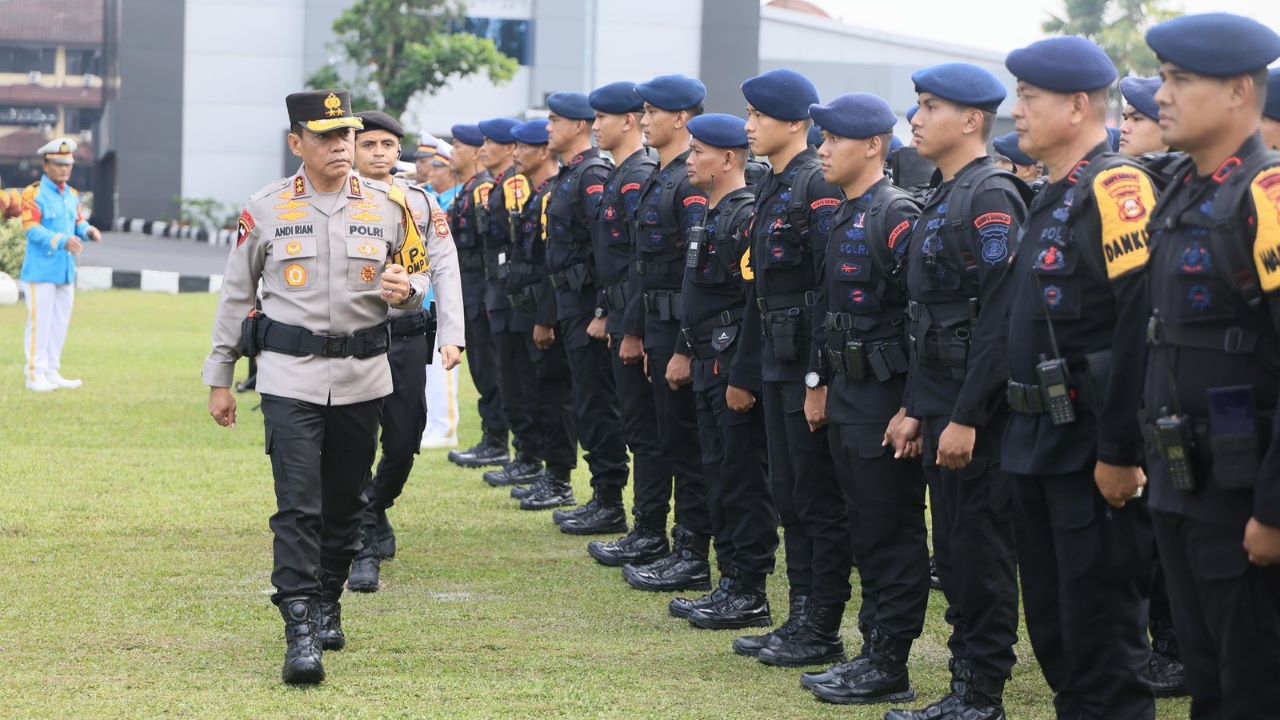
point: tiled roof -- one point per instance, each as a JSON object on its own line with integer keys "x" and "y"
{"x": 74, "y": 22}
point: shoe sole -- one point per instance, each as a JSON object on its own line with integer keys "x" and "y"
{"x": 362, "y": 588}
{"x": 599, "y": 530}
{"x": 827, "y": 660}
{"x": 746, "y": 653}
{"x": 549, "y": 506}
{"x": 740, "y": 625}
{"x": 612, "y": 561}
{"x": 899, "y": 697}
{"x": 474, "y": 464}
{"x": 675, "y": 588}
{"x": 509, "y": 482}
{"x": 308, "y": 677}
{"x": 678, "y": 614}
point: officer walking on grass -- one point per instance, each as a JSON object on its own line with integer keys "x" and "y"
{"x": 404, "y": 412}
{"x": 331, "y": 253}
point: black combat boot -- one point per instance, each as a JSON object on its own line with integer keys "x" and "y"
{"x": 745, "y": 606}
{"x": 521, "y": 471}
{"x": 686, "y": 568}
{"x": 607, "y": 518}
{"x": 639, "y": 547}
{"x": 681, "y": 607}
{"x": 816, "y": 642}
{"x": 589, "y": 506}
{"x": 883, "y": 679}
{"x": 330, "y": 632}
{"x": 751, "y": 645}
{"x": 1168, "y": 678}
{"x": 854, "y": 667}
{"x": 490, "y": 451}
{"x": 302, "y": 655}
{"x": 555, "y": 492}
{"x": 385, "y": 537}
{"x": 973, "y": 697}
{"x": 367, "y": 566}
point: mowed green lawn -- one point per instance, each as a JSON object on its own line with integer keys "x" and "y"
{"x": 136, "y": 557}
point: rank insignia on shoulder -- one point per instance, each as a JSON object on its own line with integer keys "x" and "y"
{"x": 1265, "y": 190}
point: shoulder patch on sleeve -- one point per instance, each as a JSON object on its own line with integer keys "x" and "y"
{"x": 595, "y": 189}
{"x": 246, "y": 227}
{"x": 1124, "y": 196}
{"x": 630, "y": 187}
{"x": 1265, "y": 190}
{"x": 695, "y": 200}
{"x": 993, "y": 230}
{"x": 896, "y": 234}
{"x": 824, "y": 203}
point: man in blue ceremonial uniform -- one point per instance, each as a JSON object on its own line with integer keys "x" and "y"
{"x": 56, "y": 231}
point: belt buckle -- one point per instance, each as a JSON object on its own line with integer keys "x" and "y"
{"x": 726, "y": 318}
{"x": 334, "y": 346}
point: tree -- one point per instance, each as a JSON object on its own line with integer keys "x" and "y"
{"x": 1118, "y": 26}
{"x": 400, "y": 48}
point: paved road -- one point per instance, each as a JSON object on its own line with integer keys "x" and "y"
{"x": 131, "y": 251}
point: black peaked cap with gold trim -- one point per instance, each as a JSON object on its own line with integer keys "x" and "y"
{"x": 322, "y": 110}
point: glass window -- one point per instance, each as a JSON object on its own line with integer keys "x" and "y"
{"x": 81, "y": 119}
{"x": 84, "y": 62}
{"x": 514, "y": 38}
{"x": 17, "y": 59}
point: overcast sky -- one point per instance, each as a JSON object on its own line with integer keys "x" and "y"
{"x": 999, "y": 24}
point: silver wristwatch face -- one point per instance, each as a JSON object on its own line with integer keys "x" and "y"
{"x": 811, "y": 379}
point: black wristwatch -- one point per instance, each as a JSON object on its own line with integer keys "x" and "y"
{"x": 599, "y": 313}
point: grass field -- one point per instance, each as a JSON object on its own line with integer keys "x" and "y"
{"x": 136, "y": 555}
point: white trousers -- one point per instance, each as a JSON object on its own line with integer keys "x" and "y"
{"x": 442, "y": 399}
{"x": 48, "y": 317}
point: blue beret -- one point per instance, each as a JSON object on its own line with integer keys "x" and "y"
{"x": 857, "y": 115}
{"x": 1062, "y": 64}
{"x": 1215, "y": 44}
{"x": 719, "y": 130}
{"x": 895, "y": 145}
{"x": 1272, "y": 108}
{"x": 815, "y": 135}
{"x": 1113, "y": 138}
{"x": 962, "y": 84}
{"x": 1007, "y": 145}
{"x": 571, "y": 105}
{"x": 499, "y": 130}
{"x": 533, "y": 132}
{"x": 617, "y": 98}
{"x": 911, "y": 112}
{"x": 672, "y": 92}
{"x": 467, "y": 135}
{"x": 1141, "y": 94}
{"x": 781, "y": 94}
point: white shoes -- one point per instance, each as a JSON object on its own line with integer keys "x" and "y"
{"x": 438, "y": 442}
{"x": 56, "y": 379}
{"x": 41, "y": 385}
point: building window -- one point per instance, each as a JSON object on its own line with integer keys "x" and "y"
{"x": 82, "y": 119}
{"x": 18, "y": 59}
{"x": 84, "y": 62}
{"x": 514, "y": 38}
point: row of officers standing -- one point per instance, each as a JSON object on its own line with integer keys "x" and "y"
{"x": 804, "y": 344}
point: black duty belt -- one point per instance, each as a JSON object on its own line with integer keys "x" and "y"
{"x": 918, "y": 310}
{"x": 784, "y": 302}
{"x": 699, "y": 336}
{"x": 665, "y": 304}
{"x": 300, "y": 342}
{"x": 645, "y": 267}
{"x": 524, "y": 268}
{"x": 411, "y": 325}
{"x": 574, "y": 277}
{"x": 616, "y": 295}
{"x": 1028, "y": 399}
{"x": 878, "y": 360}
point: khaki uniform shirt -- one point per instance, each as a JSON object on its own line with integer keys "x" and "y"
{"x": 318, "y": 260}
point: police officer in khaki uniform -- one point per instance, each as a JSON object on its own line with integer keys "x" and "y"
{"x": 404, "y": 412}
{"x": 330, "y": 252}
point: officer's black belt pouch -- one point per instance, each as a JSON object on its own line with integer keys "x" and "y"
{"x": 410, "y": 325}
{"x": 616, "y": 296}
{"x": 249, "y": 346}
{"x": 783, "y": 326}
{"x": 1233, "y": 437}
{"x": 572, "y": 278}
{"x": 664, "y": 304}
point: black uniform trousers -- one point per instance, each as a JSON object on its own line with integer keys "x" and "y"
{"x": 482, "y": 364}
{"x": 678, "y": 432}
{"x": 320, "y": 456}
{"x": 538, "y": 392}
{"x": 404, "y": 416}
{"x": 1086, "y": 572}
{"x": 885, "y": 498}
{"x": 1226, "y": 612}
{"x": 651, "y": 469}
{"x": 973, "y": 546}
{"x": 596, "y": 408}
{"x": 815, "y": 525}
{"x": 743, "y": 521}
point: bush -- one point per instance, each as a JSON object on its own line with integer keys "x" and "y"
{"x": 207, "y": 213}
{"x": 13, "y": 246}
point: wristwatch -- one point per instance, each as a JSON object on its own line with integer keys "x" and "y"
{"x": 599, "y": 313}
{"x": 812, "y": 380}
